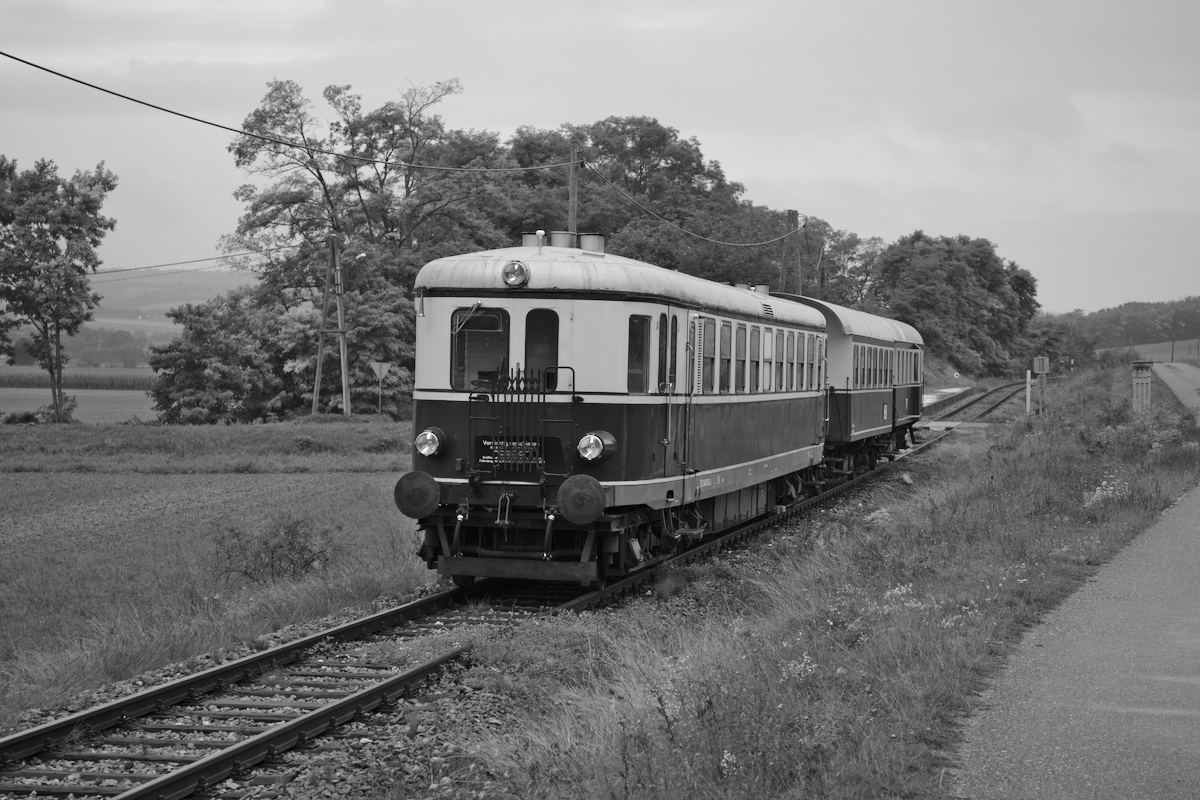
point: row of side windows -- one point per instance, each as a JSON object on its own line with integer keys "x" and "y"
{"x": 877, "y": 367}
{"x": 741, "y": 358}
{"x": 908, "y": 367}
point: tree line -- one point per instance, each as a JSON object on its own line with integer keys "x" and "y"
{"x": 397, "y": 187}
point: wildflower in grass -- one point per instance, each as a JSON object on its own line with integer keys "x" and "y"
{"x": 729, "y": 765}
{"x": 1110, "y": 490}
{"x": 798, "y": 669}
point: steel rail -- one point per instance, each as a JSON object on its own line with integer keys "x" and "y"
{"x": 209, "y": 771}
{"x": 27, "y": 743}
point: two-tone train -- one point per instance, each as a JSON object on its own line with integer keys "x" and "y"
{"x": 579, "y": 415}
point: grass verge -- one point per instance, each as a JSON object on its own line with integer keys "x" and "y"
{"x": 362, "y": 444}
{"x": 836, "y": 659}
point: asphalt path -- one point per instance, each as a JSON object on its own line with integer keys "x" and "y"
{"x": 1102, "y": 699}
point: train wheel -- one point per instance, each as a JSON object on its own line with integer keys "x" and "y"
{"x": 462, "y": 581}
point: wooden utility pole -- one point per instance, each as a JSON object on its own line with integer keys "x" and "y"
{"x": 791, "y": 256}
{"x": 333, "y": 276}
{"x": 573, "y": 192}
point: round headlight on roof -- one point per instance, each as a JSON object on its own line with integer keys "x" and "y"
{"x": 514, "y": 274}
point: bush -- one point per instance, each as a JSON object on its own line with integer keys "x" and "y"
{"x": 44, "y": 414}
{"x": 282, "y": 548}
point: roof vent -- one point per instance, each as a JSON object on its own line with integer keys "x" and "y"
{"x": 562, "y": 239}
{"x": 768, "y": 310}
{"x": 592, "y": 242}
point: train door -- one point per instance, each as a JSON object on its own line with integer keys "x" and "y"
{"x": 670, "y": 345}
{"x": 694, "y": 387}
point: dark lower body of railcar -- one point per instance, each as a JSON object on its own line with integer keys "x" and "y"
{"x": 867, "y": 425}
{"x": 511, "y": 498}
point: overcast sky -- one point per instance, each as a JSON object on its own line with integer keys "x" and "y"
{"x": 1067, "y": 133}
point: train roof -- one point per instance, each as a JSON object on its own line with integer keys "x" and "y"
{"x": 859, "y": 323}
{"x": 573, "y": 270}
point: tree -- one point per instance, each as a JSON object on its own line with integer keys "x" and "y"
{"x": 50, "y": 228}
{"x": 354, "y": 177}
{"x": 370, "y": 193}
{"x": 970, "y": 306}
{"x": 231, "y": 363}
{"x": 837, "y": 265}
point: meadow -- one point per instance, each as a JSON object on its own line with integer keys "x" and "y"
{"x": 128, "y": 547}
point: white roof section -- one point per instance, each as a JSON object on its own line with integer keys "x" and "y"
{"x": 859, "y": 323}
{"x": 575, "y": 271}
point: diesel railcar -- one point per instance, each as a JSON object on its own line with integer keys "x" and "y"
{"x": 579, "y": 415}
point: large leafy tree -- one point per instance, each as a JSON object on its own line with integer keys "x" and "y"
{"x": 836, "y": 265}
{"x": 50, "y": 228}
{"x": 971, "y": 306}
{"x": 394, "y": 187}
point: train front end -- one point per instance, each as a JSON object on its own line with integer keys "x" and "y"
{"x": 515, "y": 458}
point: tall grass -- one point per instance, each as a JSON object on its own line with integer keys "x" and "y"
{"x": 837, "y": 659}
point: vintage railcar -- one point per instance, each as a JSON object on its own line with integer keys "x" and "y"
{"x": 579, "y": 415}
{"x": 875, "y": 386}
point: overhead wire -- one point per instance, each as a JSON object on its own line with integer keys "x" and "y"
{"x": 364, "y": 159}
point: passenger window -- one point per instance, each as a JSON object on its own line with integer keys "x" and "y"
{"x": 639, "y": 354}
{"x": 755, "y": 358}
{"x": 478, "y": 347}
{"x": 791, "y": 361}
{"x": 541, "y": 347}
{"x": 726, "y": 354}
{"x": 739, "y": 374}
{"x": 779, "y": 387}
{"x": 768, "y": 359}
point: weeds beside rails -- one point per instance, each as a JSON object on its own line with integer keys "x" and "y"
{"x": 837, "y": 659}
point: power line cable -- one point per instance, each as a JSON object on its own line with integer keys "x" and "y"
{"x": 197, "y": 260}
{"x": 283, "y": 142}
{"x": 171, "y": 273}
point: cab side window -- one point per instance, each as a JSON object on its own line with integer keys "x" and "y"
{"x": 478, "y": 347}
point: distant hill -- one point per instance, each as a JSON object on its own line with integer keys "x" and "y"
{"x": 138, "y": 301}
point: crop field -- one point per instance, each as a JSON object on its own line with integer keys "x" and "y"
{"x": 95, "y": 406}
{"x": 28, "y": 377}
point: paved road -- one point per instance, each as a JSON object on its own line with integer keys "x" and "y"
{"x": 1102, "y": 700}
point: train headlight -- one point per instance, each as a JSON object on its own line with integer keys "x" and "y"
{"x": 514, "y": 274}
{"x": 597, "y": 446}
{"x": 430, "y": 441}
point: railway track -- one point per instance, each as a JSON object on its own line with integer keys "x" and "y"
{"x": 190, "y": 734}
